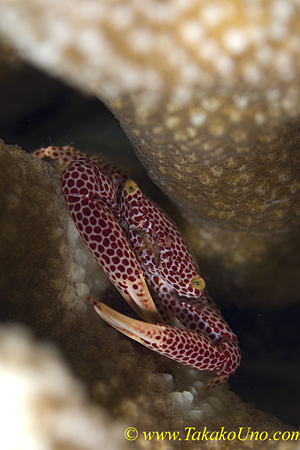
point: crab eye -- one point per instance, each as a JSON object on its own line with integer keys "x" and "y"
{"x": 130, "y": 186}
{"x": 197, "y": 283}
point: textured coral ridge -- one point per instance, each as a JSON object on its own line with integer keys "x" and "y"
{"x": 209, "y": 93}
{"x": 215, "y": 121}
{"x": 45, "y": 272}
{"x": 250, "y": 182}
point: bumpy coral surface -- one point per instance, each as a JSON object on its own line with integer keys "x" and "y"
{"x": 42, "y": 405}
{"x": 215, "y": 119}
{"x": 46, "y": 271}
{"x": 209, "y": 94}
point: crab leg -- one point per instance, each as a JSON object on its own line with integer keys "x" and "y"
{"x": 182, "y": 345}
{"x": 200, "y": 315}
{"x": 67, "y": 154}
{"x": 63, "y": 155}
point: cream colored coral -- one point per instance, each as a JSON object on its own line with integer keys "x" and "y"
{"x": 207, "y": 91}
{"x": 42, "y": 405}
{"x": 112, "y": 47}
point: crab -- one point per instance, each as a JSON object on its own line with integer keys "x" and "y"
{"x": 138, "y": 245}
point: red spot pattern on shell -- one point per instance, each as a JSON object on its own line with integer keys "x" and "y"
{"x": 160, "y": 247}
{"x": 91, "y": 198}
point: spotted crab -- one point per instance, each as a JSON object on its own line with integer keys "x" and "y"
{"x": 137, "y": 245}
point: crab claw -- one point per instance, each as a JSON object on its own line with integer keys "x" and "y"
{"x": 182, "y": 345}
{"x": 140, "y": 300}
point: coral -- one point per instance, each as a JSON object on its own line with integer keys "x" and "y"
{"x": 209, "y": 94}
{"x": 42, "y": 405}
{"x": 216, "y": 119}
{"x": 46, "y": 270}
